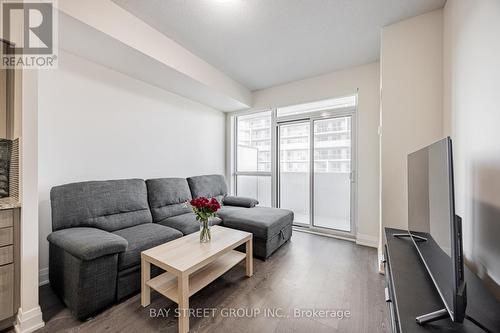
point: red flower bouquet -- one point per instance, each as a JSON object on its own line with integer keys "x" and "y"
{"x": 204, "y": 209}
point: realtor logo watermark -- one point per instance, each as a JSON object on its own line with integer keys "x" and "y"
{"x": 29, "y": 31}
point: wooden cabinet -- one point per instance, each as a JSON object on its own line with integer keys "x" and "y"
{"x": 10, "y": 111}
{"x": 6, "y": 255}
{"x": 9, "y": 270}
{"x": 6, "y": 236}
{"x": 6, "y": 218}
{"x": 6, "y": 291}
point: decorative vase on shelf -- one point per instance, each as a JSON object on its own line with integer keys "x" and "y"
{"x": 205, "y": 235}
{"x": 204, "y": 209}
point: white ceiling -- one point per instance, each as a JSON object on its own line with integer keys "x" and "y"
{"x": 262, "y": 43}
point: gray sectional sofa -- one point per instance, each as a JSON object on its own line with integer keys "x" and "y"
{"x": 101, "y": 227}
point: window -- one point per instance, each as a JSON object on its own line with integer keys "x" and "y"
{"x": 332, "y": 153}
{"x": 337, "y": 125}
{"x": 253, "y": 156}
{"x": 254, "y": 142}
{"x": 328, "y": 104}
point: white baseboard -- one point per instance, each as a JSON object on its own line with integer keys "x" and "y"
{"x": 381, "y": 260}
{"x": 29, "y": 321}
{"x": 367, "y": 240}
{"x": 43, "y": 276}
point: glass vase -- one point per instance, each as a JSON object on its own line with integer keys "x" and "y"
{"x": 205, "y": 235}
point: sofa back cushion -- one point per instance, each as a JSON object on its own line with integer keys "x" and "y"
{"x": 167, "y": 197}
{"x": 208, "y": 186}
{"x": 108, "y": 205}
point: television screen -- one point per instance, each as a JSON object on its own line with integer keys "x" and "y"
{"x": 431, "y": 218}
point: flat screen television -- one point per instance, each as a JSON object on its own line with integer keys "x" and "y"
{"x": 434, "y": 228}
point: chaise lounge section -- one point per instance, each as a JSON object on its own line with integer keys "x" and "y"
{"x": 101, "y": 227}
{"x": 271, "y": 227}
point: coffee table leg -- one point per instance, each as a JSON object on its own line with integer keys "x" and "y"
{"x": 145, "y": 276}
{"x": 249, "y": 259}
{"x": 183, "y": 295}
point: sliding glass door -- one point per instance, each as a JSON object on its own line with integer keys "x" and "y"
{"x": 315, "y": 171}
{"x": 294, "y": 169}
{"x": 332, "y": 173}
{"x": 300, "y": 157}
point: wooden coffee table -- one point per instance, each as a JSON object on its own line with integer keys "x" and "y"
{"x": 191, "y": 265}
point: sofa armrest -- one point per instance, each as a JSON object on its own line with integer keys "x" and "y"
{"x": 88, "y": 243}
{"x": 240, "y": 201}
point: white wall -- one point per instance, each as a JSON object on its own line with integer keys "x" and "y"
{"x": 341, "y": 83}
{"x": 95, "y": 123}
{"x": 472, "y": 117}
{"x": 411, "y": 104}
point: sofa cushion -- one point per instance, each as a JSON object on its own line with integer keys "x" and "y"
{"x": 140, "y": 238}
{"x": 210, "y": 186}
{"x": 108, "y": 205}
{"x": 262, "y": 222}
{"x": 186, "y": 223}
{"x": 167, "y": 197}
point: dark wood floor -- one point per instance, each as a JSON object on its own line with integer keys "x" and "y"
{"x": 310, "y": 272}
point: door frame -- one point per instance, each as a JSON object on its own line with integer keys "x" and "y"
{"x": 311, "y": 117}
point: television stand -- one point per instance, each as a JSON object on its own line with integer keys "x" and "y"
{"x": 410, "y": 293}
{"x": 433, "y": 316}
{"x": 407, "y": 235}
